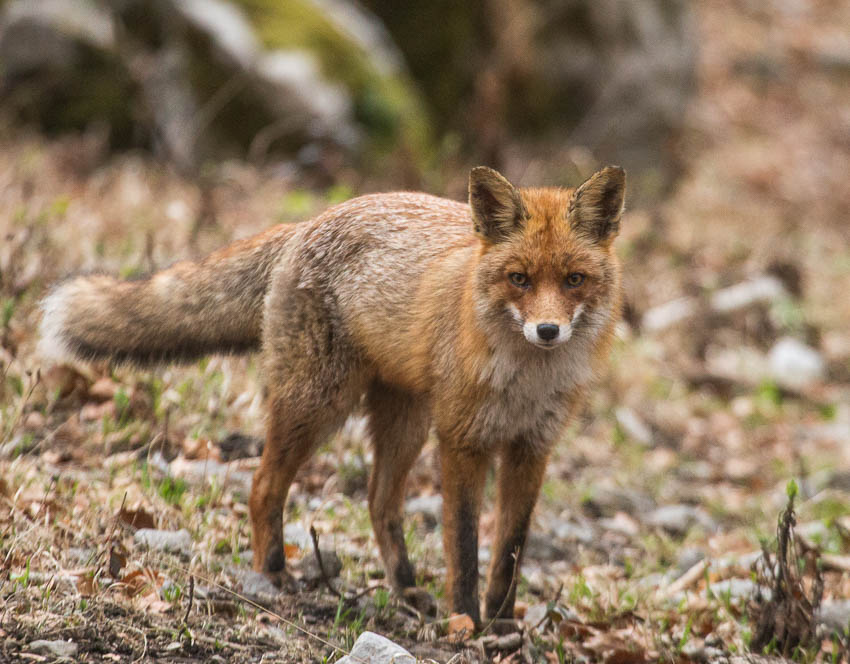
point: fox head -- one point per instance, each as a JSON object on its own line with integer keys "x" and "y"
{"x": 546, "y": 269}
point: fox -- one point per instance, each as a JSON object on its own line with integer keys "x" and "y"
{"x": 485, "y": 322}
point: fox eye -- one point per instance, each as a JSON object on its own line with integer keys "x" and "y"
{"x": 518, "y": 279}
{"x": 575, "y": 279}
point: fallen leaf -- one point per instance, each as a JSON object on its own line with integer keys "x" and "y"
{"x": 136, "y": 518}
{"x": 460, "y": 627}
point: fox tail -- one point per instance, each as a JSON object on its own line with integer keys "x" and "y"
{"x": 179, "y": 314}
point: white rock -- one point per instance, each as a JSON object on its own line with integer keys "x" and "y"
{"x": 633, "y": 426}
{"x": 795, "y": 365}
{"x": 761, "y": 289}
{"x": 62, "y": 649}
{"x": 371, "y": 648}
{"x": 678, "y": 519}
{"x": 430, "y": 507}
{"x": 227, "y": 26}
{"x": 169, "y": 541}
{"x": 835, "y": 615}
{"x": 668, "y": 314}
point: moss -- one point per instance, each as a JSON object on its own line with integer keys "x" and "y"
{"x": 387, "y": 106}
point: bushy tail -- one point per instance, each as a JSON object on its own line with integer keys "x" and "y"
{"x": 182, "y": 313}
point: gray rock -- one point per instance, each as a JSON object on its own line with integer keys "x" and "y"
{"x": 687, "y": 558}
{"x": 62, "y": 649}
{"x": 169, "y": 541}
{"x": 371, "y": 648}
{"x": 795, "y": 365}
{"x": 254, "y": 584}
{"x": 429, "y": 507}
{"x": 678, "y": 519}
{"x": 607, "y": 501}
{"x": 48, "y": 33}
{"x": 574, "y": 531}
{"x": 835, "y": 615}
{"x": 308, "y": 566}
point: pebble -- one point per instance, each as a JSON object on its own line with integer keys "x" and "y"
{"x": 795, "y": 365}
{"x": 835, "y": 615}
{"x": 633, "y": 426}
{"x": 678, "y": 519}
{"x": 168, "y": 541}
{"x": 63, "y": 649}
{"x": 429, "y": 507}
{"x": 371, "y": 648}
{"x": 254, "y": 584}
{"x": 308, "y": 566}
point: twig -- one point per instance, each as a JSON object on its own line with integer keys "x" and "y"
{"x": 507, "y": 595}
{"x": 191, "y": 599}
{"x": 348, "y": 599}
{"x": 260, "y": 607}
{"x": 315, "y": 536}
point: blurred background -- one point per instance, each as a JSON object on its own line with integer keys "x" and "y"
{"x": 135, "y": 133}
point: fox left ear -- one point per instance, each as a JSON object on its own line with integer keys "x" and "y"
{"x": 597, "y": 205}
{"x": 496, "y": 205}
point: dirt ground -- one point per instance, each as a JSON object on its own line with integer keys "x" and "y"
{"x": 647, "y": 537}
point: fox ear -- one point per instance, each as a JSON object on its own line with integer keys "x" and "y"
{"x": 496, "y": 205}
{"x": 597, "y": 204}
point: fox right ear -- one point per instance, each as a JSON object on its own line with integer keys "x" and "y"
{"x": 496, "y": 205}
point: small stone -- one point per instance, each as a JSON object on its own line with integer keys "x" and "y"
{"x": 694, "y": 649}
{"x": 621, "y": 523}
{"x": 429, "y": 507}
{"x": 308, "y": 566}
{"x": 168, "y": 541}
{"x": 687, "y": 558}
{"x": 835, "y": 615}
{"x": 295, "y": 533}
{"x": 63, "y": 649}
{"x": 371, "y": 648}
{"x": 678, "y": 519}
{"x": 573, "y": 531}
{"x": 633, "y": 426}
{"x": 795, "y": 365}
{"x": 738, "y": 589}
{"x": 254, "y": 584}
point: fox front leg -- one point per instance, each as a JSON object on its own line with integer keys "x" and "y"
{"x": 519, "y": 479}
{"x": 463, "y": 474}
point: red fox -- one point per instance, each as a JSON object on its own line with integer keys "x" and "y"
{"x": 485, "y": 322}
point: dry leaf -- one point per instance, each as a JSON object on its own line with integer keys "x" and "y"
{"x": 136, "y": 518}
{"x": 460, "y": 627}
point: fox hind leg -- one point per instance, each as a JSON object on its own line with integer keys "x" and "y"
{"x": 314, "y": 381}
{"x": 398, "y": 424}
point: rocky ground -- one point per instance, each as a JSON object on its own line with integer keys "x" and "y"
{"x": 123, "y": 532}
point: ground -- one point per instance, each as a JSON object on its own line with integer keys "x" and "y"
{"x": 656, "y": 505}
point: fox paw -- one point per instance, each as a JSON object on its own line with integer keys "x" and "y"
{"x": 420, "y": 599}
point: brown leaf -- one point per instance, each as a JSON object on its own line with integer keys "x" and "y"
{"x": 136, "y": 518}
{"x": 117, "y": 561}
{"x": 460, "y": 627}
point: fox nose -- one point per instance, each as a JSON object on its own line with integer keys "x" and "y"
{"x": 547, "y": 331}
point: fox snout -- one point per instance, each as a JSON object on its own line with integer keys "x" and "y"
{"x": 549, "y": 334}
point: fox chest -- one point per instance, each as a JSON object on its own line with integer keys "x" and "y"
{"x": 524, "y": 401}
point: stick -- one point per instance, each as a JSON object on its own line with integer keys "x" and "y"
{"x": 191, "y": 599}
{"x": 507, "y": 595}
